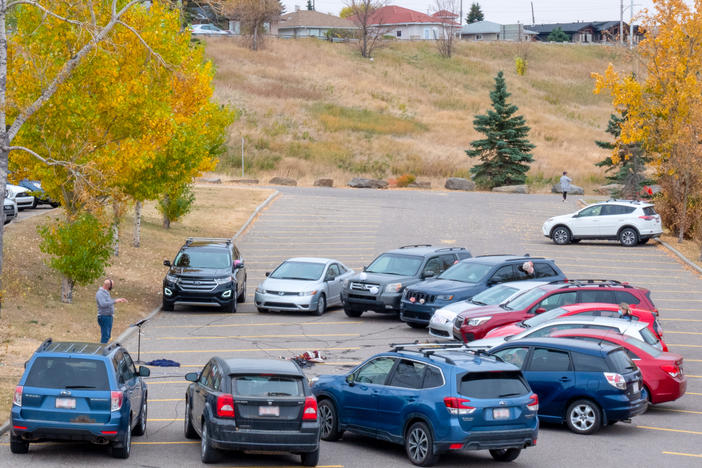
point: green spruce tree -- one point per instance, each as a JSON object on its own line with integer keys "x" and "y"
{"x": 310, "y": 6}
{"x": 557, "y": 35}
{"x": 475, "y": 14}
{"x": 505, "y": 151}
{"x": 630, "y": 165}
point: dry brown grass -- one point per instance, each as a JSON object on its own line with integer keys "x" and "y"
{"x": 32, "y": 310}
{"x": 280, "y": 89}
{"x": 688, "y": 248}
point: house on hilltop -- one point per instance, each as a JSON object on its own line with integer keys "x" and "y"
{"x": 588, "y": 31}
{"x": 309, "y": 23}
{"x": 405, "y": 24}
{"x": 489, "y": 31}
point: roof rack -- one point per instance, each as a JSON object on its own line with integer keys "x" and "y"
{"x": 638, "y": 202}
{"x": 449, "y": 249}
{"x": 47, "y": 342}
{"x": 496, "y": 255}
{"x": 429, "y": 349}
{"x": 190, "y": 240}
{"x": 109, "y": 348}
{"x": 412, "y": 246}
{"x": 594, "y": 282}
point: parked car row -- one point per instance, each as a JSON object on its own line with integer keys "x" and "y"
{"x": 26, "y": 194}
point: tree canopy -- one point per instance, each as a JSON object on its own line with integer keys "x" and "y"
{"x": 475, "y": 14}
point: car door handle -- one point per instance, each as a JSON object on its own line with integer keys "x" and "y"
{"x": 412, "y": 398}
{"x": 564, "y": 379}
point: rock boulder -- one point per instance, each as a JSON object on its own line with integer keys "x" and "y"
{"x": 283, "y": 181}
{"x": 574, "y": 189}
{"x": 459, "y": 183}
{"x": 324, "y": 183}
{"x": 360, "y": 182}
{"x": 511, "y": 189}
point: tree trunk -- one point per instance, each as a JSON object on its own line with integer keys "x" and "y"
{"x": 115, "y": 229}
{"x": 3, "y": 183}
{"x": 137, "y": 224}
{"x": 682, "y": 223}
{"x": 67, "y": 290}
{"x": 4, "y": 139}
{"x": 166, "y": 219}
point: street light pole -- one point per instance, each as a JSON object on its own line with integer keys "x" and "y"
{"x": 631, "y": 26}
{"x": 621, "y": 22}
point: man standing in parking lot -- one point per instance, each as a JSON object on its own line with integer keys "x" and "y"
{"x": 565, "y": 184}
{"x": 106, "y": 309}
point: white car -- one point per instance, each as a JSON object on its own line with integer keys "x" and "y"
{"x": 9, "y": 211}
{"x": 441, "y": 323}
{"x": 635, "y": 329}
{"x": 630, "y": 222}
{"x": 207, "y": 29}
{"x": 20, "y": 195}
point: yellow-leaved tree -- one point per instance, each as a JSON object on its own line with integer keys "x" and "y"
{"x": 663, "y": 105}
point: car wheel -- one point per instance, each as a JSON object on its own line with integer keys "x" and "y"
{"x": 242, "y": 296}
{"x": 17, "y": 445}
{"x": 583, "y": 417}
{"x": 646, "y": 395}
{"x": 122, "y": 448}
{"x": 310, "y": 458}
{"x": 231, "y": 307}
{"x": 561, "y": 235}
{"x": 416, "y": 325}
{"x": 505, "y": 455}
{"x": 35, "y": 203}
{"x": 167, "y": 306}
{"x": 261, "y": 310}
{"x": 328, "y": 421}
{"x": 352, "y": 312}
{"x": 321, "y": 305}
{"x": 644, "y": 241}
{"x": 140, "y": 428}
{"x": 628, "y": 237}
{"x": 189, "y": 430}
{"x": 419, "y": 445}
{"x": 208, "y": 454}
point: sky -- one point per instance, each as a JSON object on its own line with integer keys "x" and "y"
{"x": 513, "y": 11}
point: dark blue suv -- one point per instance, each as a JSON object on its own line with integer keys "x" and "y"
{"x": 79, "y": 391}
{"x": 466, "y": 279}
{"x": 432, "y": 399}
{"x": 585, "y": 384}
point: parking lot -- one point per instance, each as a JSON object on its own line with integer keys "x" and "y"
{"x": 353, "y": 226}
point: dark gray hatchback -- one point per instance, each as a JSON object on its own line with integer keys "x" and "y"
{"x": 252, "y": 404}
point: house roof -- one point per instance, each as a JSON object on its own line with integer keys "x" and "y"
{"x": 574, "y": 27}
{"x": 397, "y": 15}
{"x": 481, "y": 27}
{"x": 313, "y": 19}
{"x": 444, "y": 14}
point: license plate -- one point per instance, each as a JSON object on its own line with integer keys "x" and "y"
{"x": 269, "y": 411}
{"x": 67, "y": 403}
{"x": 500, "y": 413}
{"x": 636, "y": 387}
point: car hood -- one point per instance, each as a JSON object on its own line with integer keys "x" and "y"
{"x": 480, "y": 311}
{"x": 560, "y": 218}
{"x": 456, "y": 308}
{"x": 200, "y": 272}
{"x": 289, "y": 285}
{"x": 442, "y": 286}
{"x": 485, "y": 343}
{"x": 505, "y": 330}
{"x": 380, "y": 278}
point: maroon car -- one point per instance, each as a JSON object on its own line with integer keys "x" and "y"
{"x": 474, "y": 324}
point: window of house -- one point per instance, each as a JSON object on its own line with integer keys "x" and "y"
{"x": 399, "y": 33}
{"x": 478, "y": 37}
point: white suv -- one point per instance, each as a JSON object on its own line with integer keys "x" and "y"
{"x": 629, "y": 222}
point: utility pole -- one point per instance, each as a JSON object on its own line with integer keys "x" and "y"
{"x": 631, "y": 26}
{"x": 621, "y": 22}
{"x": 533, "y": 21}
{"x": 460, "y": 17}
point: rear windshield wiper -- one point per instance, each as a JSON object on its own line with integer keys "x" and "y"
{"x": 505, "y": 306}
{"x": 508, "y": 395}
{"x": 477, "y": 302}
{"x": 278, "y": 394}
{"x": 79, "y": 386}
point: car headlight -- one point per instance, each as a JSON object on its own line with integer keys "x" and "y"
{"x": 260, "y": 290}
{"x": 445, "y": 297}
{"x": 223, "y": 280}
{"x": 307, "y": 293}
{"x": 393, "y": 287}
{"x": 474, "y": 322}
{"x": 171, "y": 279}
{"x": 346, "y": 283}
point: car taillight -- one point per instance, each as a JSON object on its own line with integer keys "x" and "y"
{"x": 309, "y": 412}
{"x": 458, "y": 406}
{"x": 615, "y": 380}
{"x": 116, "y": 399}
{"x": 672, "y": 369}
{"x": 225, "y": 406}
{"x": 17, "y": 399}
{"x": 647, "y": 218}
{"x": 534, "y": 404}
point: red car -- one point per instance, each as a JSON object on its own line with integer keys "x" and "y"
{"x": 595, "y": 310}
{"x": 662, "y": 372}
{"x": 475, "y": 324}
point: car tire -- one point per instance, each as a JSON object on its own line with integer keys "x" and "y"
{"x": 329, "y": 421}
{"x": 419, "y": 445}
{"x": 561, "y": 235}
{"x": 352, "y": 312}
{"x": 505, "y": 455}
{"x": 416, "y": 325}
{"x": 628, "y": 237}
{"x": 123, "y": 448}
{"x": 208, "y": 454}
{"x": 167, "y": 306}
{"x": 310, "y": 458}
{"x": 261, "y": 310}
{"x": 35, "y": 203}
{"x": 321, "y": 305}
{"x": 230, "y": 308}
{"x": 242, "y": 296}
{"x": 140, "y": 428}
{"x": 188, "y": 428}
{"x": 17, "y": 445}
{"x": 646, "y": 395}
{"x": 583, "y": 417}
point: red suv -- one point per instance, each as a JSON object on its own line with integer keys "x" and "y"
{"x": 473, "y": 325}
{"x": 662, "y": 372}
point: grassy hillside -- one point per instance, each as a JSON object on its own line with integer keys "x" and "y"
{"x": 311, "y": 108}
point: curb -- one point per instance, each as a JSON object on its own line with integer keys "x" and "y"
{"x": 255, "y": 213}
{"x": 130, "y": 331}
{"x": 5, "y": 427}
{"x": 675, "y": 251}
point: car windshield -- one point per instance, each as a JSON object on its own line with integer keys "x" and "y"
{"x": 203, "y": 258}
{"x": 544, "y": 317}
{"x": 493, "y": 385}
{"x": 394, "y": 264}
{"x": 62, "y": 372}
{"x": 494, "y": 295}
{"x": 266, "y": 385}
{"x": 306, "y": 271}
{"x": 643, "y": 346}
{"x": 469, "y": 272}
{"x": 524, "y": 300}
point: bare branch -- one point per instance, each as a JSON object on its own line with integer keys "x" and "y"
{"x": 146, "y": 45}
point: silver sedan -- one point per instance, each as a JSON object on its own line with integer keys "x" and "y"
{"x": 303, "y": 284}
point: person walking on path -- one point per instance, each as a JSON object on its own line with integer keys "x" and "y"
{"x": 565, "y": 184}
{"x": 106, "y": 309}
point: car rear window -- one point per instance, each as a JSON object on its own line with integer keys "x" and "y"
{"x": 64, "y": 372}
{"x": 648, "y": 336}
{"x": 626, "y": 297}
{"x": 620, "y": 362}
{"x": 493, "y": 384}
{"x": 653, "y": 351}
{"x": 262, "y": 385}
{"x": 649, "y": 211}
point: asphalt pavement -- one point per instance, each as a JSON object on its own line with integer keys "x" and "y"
{"x": 353, "y": 226}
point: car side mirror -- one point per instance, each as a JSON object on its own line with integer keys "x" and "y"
{"x": 238, "y": 264}
{"x": 268, "y": 273}
{"x": 349, "y": 379}
{"x": 540, "y": 310}
{"x": 167, "y": 263}
{"x": 144, "y": 371}
{"x": 428, "y": 274}
{"x": 191, "y": 376}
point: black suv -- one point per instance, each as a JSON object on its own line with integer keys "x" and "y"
{"x": 206, "y": 271}
{"x": 380, "y": 285}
